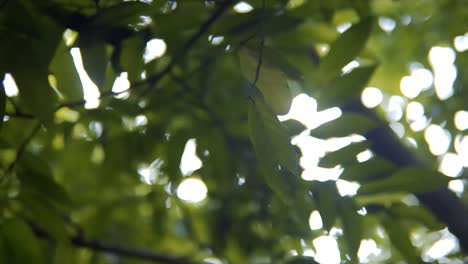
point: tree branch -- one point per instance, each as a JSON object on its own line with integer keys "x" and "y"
{"x": 443, "y": 203}
{"x": 115, "y": 249}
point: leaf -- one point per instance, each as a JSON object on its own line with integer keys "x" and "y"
{"x": 352, "y": 225}
{"x": 2, "y": 103}
{"x": 272, "y": 82}
{"x": 270, "y": 137}
{"x": 301, "y": 260}
{"x": 131, "y": 57}
{"x": 35, "y": 93}
{"x": 345, "y": 87}
{"x": 412, "y": 180}
{"x": 35, "y": 175}
{"x": 368, "y": 170}
{"x": 417, "y": 214}
{"x": 21, "y": 246}
{"x": 63, "y": 68}
{"x": 398, "y": 234}
{"x": 327, "y": 197}
{"x": 343, "y": 156}
{"x": 93, "y": 54}
{"x": 121, "y": 14}
{"x": 294, "y": 127}
{"x": 345, "y": 49}
{"x": 43, "y": 213}
{"x": 272, "y": 147}
{"x": 347, "y": 124}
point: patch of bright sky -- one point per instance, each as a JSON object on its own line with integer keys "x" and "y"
{"x": 461, "y": 120}
{"x": 367, "y": 250}
{"x": 192, "y": 190}
{"x": 315, "y": 220}
{"x": 438, "y": 139}
{"x": 327, "y": 250}
{"x": 371, "y": 97}
{"x": 420, "y": 79}
{"x": 90, "y": 90}
{"x": 445, "y": 72}
{"x": 461, "y": 147}
{"x": 461, "y": 42}
{"x": 387, "y": 24}
{"x": 343, "y": 27}
{"x": 190, "y": 161}
{"x": 451, "y": 164}
{"x": 243, "y": 7}
{"x": 10, "y": 86}
{"x": 155, "y": 48}
{"x": 444, "y": 246}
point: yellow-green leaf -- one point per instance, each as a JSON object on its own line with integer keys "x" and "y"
{"x": 352, "y": 225}
{"x": 399, "y": 236}
{"x": 63, "y": 68}
{"x": 272, "y": 82}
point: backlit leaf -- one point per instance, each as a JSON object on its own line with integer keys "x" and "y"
{"x": 347, "y": 124}
{"x": 327, "y": 197}
{"x": 368, "y": 170}
{"x": 399, "y": 236}
{"x": 63, "y": 68}
{"x": 93, "y": 54}
{"x": 352, "y": 225}
{"x": 417, "y": 214}
{"x": 345, "y": 49}
{"x": 412, "y": 180}
{"x": 131, "y": 57}
{"x": 21, "y": 246}
{"x": 272, "y": 82}
{"x": 343, "y": 156}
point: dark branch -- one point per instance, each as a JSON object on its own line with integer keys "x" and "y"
{"x": 445, "y": 205}
{"x": 115, "y": 249}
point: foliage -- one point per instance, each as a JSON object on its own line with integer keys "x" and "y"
{"x": 84, "y": 184}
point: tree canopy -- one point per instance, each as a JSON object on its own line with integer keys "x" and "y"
{"x": 222, "y": 131}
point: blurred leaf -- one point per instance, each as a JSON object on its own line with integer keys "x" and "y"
{"x": 131, "y": 57}
{"x": 301, "y": 260}
{"x": 21, "y": 246}
{"x": 412, "y": 180}
{"x": 327, "y": 198}
{"x": 63, "y": 68}
{"x": 270, "y": 137}
{"x": 343, "y": 156}
{"x": 368, "y": 170}
{"x": 347, "y": 124}
{"x": 93, "y": 54}
{"x": 345, "y": 49}
{"x": 418, "y": 214}
{"x": 121, "y": 14}
{"x": 272, "y": 82}
{"x": 2, "y": 103}
{"x": 399, "y": 236}
{"x": 352, "y": 225}
{"x": 294, "y": 127}
{"x": 35, "y": 93}
{"x": 36, "y": 175}
{"x": 44, "y": 215}
{"x": 344, "y": 88}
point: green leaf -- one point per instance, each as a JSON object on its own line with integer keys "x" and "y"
{"x": 131, "y": 57}
{"x": 399, "y": 236}
{"x": 272, "y": 147}
{"x": 345, "y": 49}
{"x": 35, "y": 174}
{"x": 352, "y": 225}
{"x": 63, "y": 68}
{"x": 43, "y": 213}
{"x": 121, "y": 14}
{"x": 343, "y": 156}
{"x": 35, "y": 93}
{"x": 327, "y": 197}
{"x": 21, "y": 246}
{"x": 2, "y": 103}
{"x": 294, "y": 127}
{"x": 412, "y": 180}
{"x": 368, "y": 170}
{"x": 345, "y": 87}
{"x": 347, "y": 124}
{"x": 417, "y": 214}
{"x": 270, "y": 137}
{"x": 301, "y": 260}
{"x": 272, "y": 82}
{"x": 94, "y": 56}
